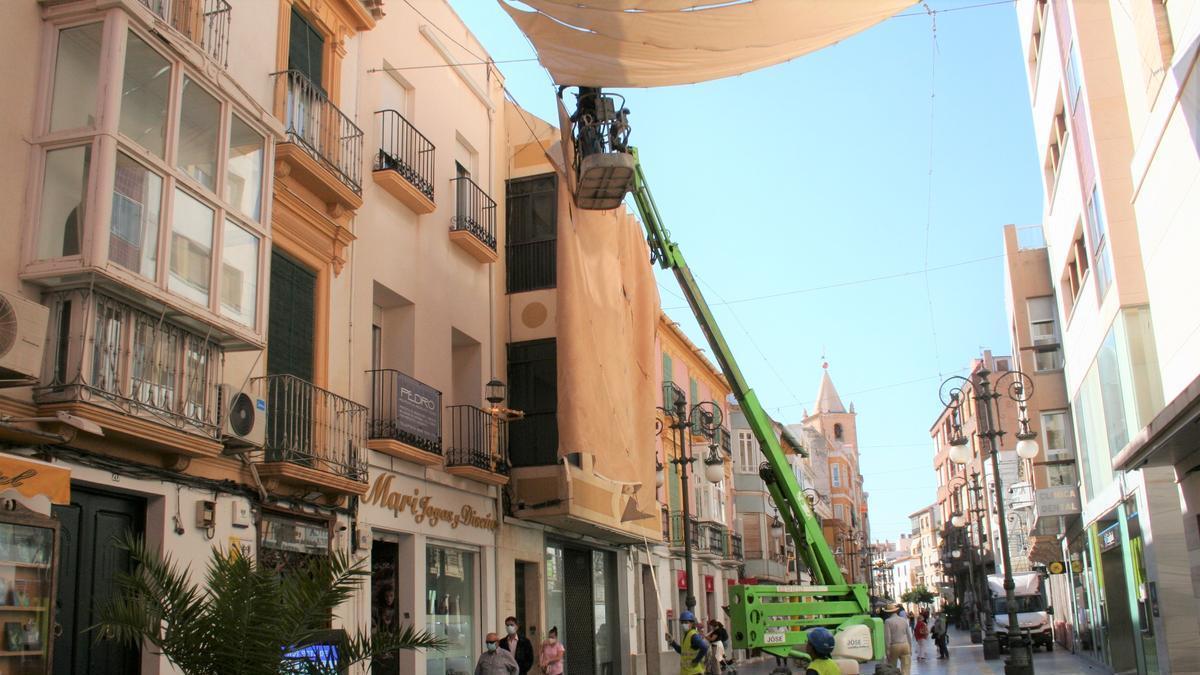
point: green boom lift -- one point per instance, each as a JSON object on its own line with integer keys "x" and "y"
{"x": 770, "y": 618}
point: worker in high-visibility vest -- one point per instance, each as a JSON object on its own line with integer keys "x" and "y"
{"x": 820, "y": 643}
{"x": 692, "y": 649}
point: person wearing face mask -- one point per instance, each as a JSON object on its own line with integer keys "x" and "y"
{"x": 518, "y": 645}
{"x": 495, "y": 661}
{"x": 551, "y": 659}
{"x": 693, "y": 649}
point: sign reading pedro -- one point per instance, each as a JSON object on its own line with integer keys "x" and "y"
{"x": 32, "y": 479}
{"x": 423, "y": 508}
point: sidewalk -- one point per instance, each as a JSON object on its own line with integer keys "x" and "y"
{"x": 967, "y": 659}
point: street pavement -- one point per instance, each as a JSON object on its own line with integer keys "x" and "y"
{"x": 967, "y": 659}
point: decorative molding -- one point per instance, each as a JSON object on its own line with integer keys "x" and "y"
{"x": 400, "y": 450}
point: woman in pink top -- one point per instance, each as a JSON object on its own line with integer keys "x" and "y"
{"x": 551, "y": 658}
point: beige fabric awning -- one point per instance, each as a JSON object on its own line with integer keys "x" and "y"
{"x": 653, "y": 43}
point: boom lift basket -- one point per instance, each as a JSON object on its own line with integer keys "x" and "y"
{"x": 603, "y": 165}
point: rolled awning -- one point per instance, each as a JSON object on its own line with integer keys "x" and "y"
{"x": 653, "y": 43}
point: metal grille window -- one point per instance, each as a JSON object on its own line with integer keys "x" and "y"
{"x": 532, "y": 232}
{"x": 112, "y": 353}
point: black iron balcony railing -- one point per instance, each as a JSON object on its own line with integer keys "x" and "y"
{"x": 405, "y": 150}
{"x": 735, "y": 547}
{"x": 204, "y": 22}
{"x": 532, "y": 265}
{"x": 671, "y": 394}
{"x": 315, "y": 428}
{"x": 315, "y": 124}
{"x": 405, "y": 409}
{"x": 477, "y": 438}
{"x": 110, "y": 353}
{"x": 715, "y": 536}
{"x": 475, "y": 212}
{"x": 701, "y": 423}
{"x": 726, "y": 442}
{"x": 676, "y": 533}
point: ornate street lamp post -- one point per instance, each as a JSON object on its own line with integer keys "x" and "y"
{"x": 1018, "y": 387}
{"x": 705, "y": 419}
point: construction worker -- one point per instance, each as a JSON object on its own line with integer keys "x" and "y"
{"x": 819, "y": 646}
{"x": 692, "y": 649}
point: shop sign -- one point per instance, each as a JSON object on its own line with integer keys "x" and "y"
{"x": 33, "y": 479}
{"x": 417, "y": 408}
{"x": 423, "y": 508}
{"x": 708, "y": 583}
{"x": 297, "y": 536}
{"x": 1110, "y": 537}
{"x": 681, "y": 578}
{"x": 1058, "y": 501}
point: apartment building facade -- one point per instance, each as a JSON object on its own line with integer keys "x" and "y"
{"x": 1108, "y": 85}
{"x": 769, "y": 557}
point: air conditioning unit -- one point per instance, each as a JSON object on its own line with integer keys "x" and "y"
{"x": 22, "y": 337}
{"x": 243, "y": 417}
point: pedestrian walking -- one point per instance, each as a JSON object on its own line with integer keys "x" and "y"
{"x": 518, "y": 645}
{"x": 495, "y": 661}
{"x": 941, "y": 636}
{"x": 551, "y": 658}
{"x": 896, "y": 636}
{"x": 921, "y": 635}
{"x": 692, "y": 649}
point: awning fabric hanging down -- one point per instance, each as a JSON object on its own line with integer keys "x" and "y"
{"x": 655, "y": 43}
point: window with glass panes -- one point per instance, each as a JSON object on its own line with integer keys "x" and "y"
{"x": 183, "y": 165}
{"x": 747, "y": 449}
{"x": 1043, "y": 332}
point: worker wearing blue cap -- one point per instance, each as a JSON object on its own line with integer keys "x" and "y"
{"x": 819, "y": 646}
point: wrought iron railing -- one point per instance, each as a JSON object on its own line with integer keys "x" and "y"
{"x": 735, "y": 549}
{"x": 405, "y": 409}
{"x": 405, "y": 150}
{"x": 715, "y": 539}
{"x": 475, "y": 211}
{"x": 676, "y": 533}
{"x": 315, "y": 428}
{"x": 205, "y": 22}
{"x": 671, "y": 394}
{"x": 109, "y": 352}
{"x": 315, "y": 124}
{"x": 532, "y": 265}
{"x": 726, "y": 442}
{"x": 477, "y": 438}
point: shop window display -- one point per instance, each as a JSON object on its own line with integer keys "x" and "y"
{"x": 450, "y": 609}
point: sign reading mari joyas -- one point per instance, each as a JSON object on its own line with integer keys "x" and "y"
{"x": 422, "y": 507}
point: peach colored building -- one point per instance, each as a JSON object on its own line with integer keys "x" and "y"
{"x": 236, "y": 228}
{"x": 1109, "y": 85}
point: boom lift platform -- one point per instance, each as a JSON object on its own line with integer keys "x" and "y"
{"x": 770, "y": 618}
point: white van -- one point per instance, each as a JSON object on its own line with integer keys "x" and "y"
{"x": 1033, "y": 614}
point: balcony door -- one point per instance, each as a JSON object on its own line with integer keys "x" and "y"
{"x": 291, "y": 332}
{"x": 306, "y": 49}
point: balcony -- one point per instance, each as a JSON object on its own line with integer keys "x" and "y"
{"x": 724, "y": 440}
{"x": 474, "y": 224}
{"x": 675, "y": 538}
{"x": 150, "y": 383}
{"x": 315, "y": 440}
{"x": 204, "y": 22}
{"x": 404, "y": 163}
{"x": 323, "y": 150}
{"x": 406, "y": 418}
{"x": 477, "y": 443}
{"x": 671, "y": 394}
{"x": 734, "y": 549}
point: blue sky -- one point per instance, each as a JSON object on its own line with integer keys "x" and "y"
{"x": 814, "y": 176}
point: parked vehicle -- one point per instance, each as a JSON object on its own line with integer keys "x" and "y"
{"x": 1033, "y": 614}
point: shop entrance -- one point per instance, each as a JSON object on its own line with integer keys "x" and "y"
{"x": 87, "y": 579}
{"x": 585, "y": 608}
{"x": 1119, "y": 630}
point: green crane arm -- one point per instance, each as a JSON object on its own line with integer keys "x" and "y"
{"x": 831, "y": 601}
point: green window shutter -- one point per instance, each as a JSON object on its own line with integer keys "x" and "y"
{"x": 306, "y": 49}
{"x": 291, "y": 318}
{"x": 667, "y": 368}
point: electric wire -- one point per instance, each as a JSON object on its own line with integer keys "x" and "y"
{"x": 933, "y": 53}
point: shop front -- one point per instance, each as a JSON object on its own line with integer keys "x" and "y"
{"x": 582, "y": 601}
{"x": 430, "y": 545}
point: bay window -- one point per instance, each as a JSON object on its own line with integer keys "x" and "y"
{"x": 73, "y": 99}
{"x": 185, "y": 170}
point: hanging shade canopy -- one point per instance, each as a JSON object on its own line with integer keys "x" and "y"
{"x": 656, "y": 43}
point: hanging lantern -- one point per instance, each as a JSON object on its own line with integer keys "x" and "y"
{"x": 714, "y": 468}
{"x": 1027, "y": 448}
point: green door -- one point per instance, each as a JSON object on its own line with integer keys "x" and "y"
{"x": 290, "y": 335}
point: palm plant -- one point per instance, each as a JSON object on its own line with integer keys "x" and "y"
{"x": 246, "y": 619}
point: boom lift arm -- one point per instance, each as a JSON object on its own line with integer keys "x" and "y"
{"x": 771, "y": 618}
